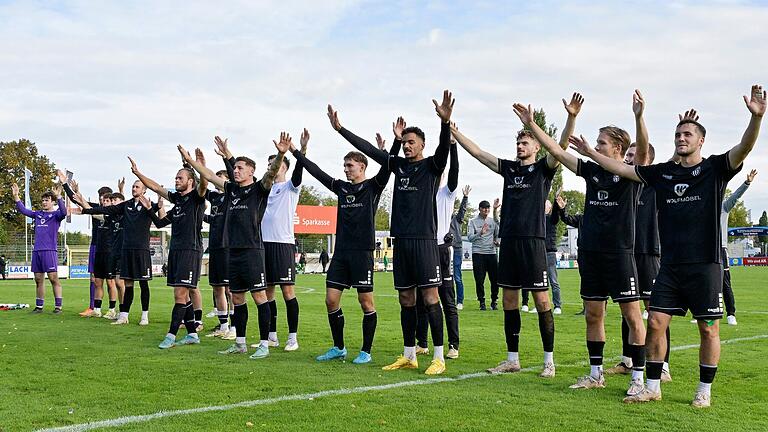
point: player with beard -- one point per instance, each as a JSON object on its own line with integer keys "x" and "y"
{"x": 522, "y": 253}
{"x": 414, "y": 228}
{"x": 689, "y": 196}
{"x": 352, "y": 263}
{"x": 247, "y": 201}
{"x": 606, "y": 261}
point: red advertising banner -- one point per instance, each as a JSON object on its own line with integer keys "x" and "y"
{"x": 314, "y": 220}
{"x": 757, "y": 261}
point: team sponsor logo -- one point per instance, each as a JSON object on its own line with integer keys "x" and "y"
{"x": 616, "y": 179}
{"x": 697, "y": 171}
{"x": 404, "y": 185}
{"x": 235, "y": 201}
{"x": 602, "y": 195}
{"x": 518, "y": 180}
{"x": 404, "y": 181}
{"x": 518, "y": 183}
{"x": 680, "y": 189}
{"x": 350, "y": 199}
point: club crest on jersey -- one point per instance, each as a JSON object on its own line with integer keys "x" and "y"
{"x": 595, "y": 179}
{"x": 350, "y": 199}
{"x": 602, "y": 195}
{"x": 680, "y": 189}
{"x": 404, "y": 181}
{"x": 615, "y": 179}
{"x": 530, "y": 168}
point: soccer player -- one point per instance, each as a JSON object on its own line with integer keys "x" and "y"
{"x": 113, "y": 274}
{"x": 45, "y": 251}
{"x": 352, "y": 263}
{"x": 414, "y": 228}
{"x": 247, "y": 201}
{"x": 728, "y": 205}
{"x": 606, "y": 261}
{"x": 522, "y": 254}
{"x": 135, "y": 260}
{"x": 279, "y": 249}
{"x": 691, "y": 274}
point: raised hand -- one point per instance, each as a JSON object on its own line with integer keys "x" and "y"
{"x": 381, "y": 142}
{"x": 222, "y": 148}
{"x": 185, "y": 156}
{"x": 333, "y": 116}
{"x": 75, "y": 187}
{"x": 199, "y": 156}
{"x": 691, "y": 114}
{"x": 524, "y": 113}
{"x": 285, "y": 142}
{"x": 121, "y": 184}
{"x": 79, "y": 198}
{"x": 134, "y": 168}
{"x": 756, "y": 103}
{"x": 144, "y": 201}
{"x": 484, "y": 229}
{"x": 466, "y": 190}
{"x": 580, "y": 144}
{"x": 304, "y": 140}
{"x": 15, "y": 191}
{"x": 496, "y": 204}
{"x": 160, "y": 201}
{"x": 397, "y": 128}
{"x": 445, "y": 108}
{"x": 61, "y": 175}
{"x": 751, "y": 176}
{"x": 453, "y": 128}
{"x": 574, "y": 106}
{"x": 57, "y": 189}
{"x": 638, "y": 103}
{"x": 561, "y": 202}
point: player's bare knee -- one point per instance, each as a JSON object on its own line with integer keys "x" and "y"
{"x": 407, "y": 298}
{"x": 708, "y": 331}
{"x": 288, "y": 292}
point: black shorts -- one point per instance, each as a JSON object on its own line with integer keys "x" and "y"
{"x": 184, "y": 268}
{"x": 218, "y": 261}
{"x": 351, "y": 269}
{"x": 523, "y": 264}
{"x": 698, "y": 287}
{"x": 280, "y": 263}
{"x": 135, "y": 264}
{"x": 114, "y": 264}
{"x": 416, "y": 263}
{"x": 446, "y": 262}
{"x": 606, "y": 275}
{"x": 101, "y": 265}
{"x": 246, "y": 270}
{"x": 647, "y": 269}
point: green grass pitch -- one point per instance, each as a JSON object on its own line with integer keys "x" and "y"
{"x": 65, "y": 370}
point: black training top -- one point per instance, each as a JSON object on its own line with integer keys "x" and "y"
{"x": 136, "y": 221}
{"x": 186, "y": 219}
{"x": 216, "y": 236}
{"x": 689, "y": 200}
{"x": 647, "y": 225}
{"x": 116, "y": 223}
{"x": 525, "y": 190}
{"x": 610, "y": 206}
{"x": 245, "y": 209}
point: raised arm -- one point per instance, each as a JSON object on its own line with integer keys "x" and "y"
{"x": 453, "y": 171}
{"x": 311, "y": 167}
{"x": 204, "y": 171}
{"x": 463, "y": 206}
{"x": 444, "y": 110}
{"x": 526, "y": 116}
{"x": 106, "y": 210}
{"x": 202, "y": 186}
{"x": 731, "y": 201}
{"x": 617, "y": 167}
{"x": 298, "y": 170}
{"x": 148, "y": 182}
{"x": 19, "y": 204}
{"x": 282, "y": 146}
{"x": 642, "y": 156}
{"x": 558, "y": 213}
{"x": 756, "y": 105}
{"x": 379, "y": 156}
{"x": 572, "y": 108}
{"x": 475, "y": 151}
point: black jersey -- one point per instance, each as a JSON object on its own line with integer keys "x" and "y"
{"x": 186, "y": 218}
{"x": 136, "y": 222}
{"x": 116, "y": 223}
{"x": 216, "y": 236}
{"x": 104, "y": 234}
{"x": 646, "y": 225}
{"x": 245, "y": 209}
{"x": 414, "y": 207}
{"x": 525, "y": 190}
{"x": 689, "y": 201}
{"x": 610, "y": 208}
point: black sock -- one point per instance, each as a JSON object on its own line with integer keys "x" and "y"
{"x": 707, "y": 373}
{"x": 97, "y": 303}
{"x": 222, "y": 317}
{"x": 144, "y": 285}
{"x": 240, "y": 319}
{"x": 422, "y": 322}
{"x": 369, "y": 329}
{"x": 336, "y": 321}
{"x": 547, "y": 330}
{"x": 292, "y": 312}
{"x": 653, "y": 369}
{"x": 666, "y": 355}
{"x": 198, "y": 315}
{"x": 112, "y": 303}
{"x": 125, "y": 306}
{"x": 272, "y": 316}
{"x": 638, "y": 357}
{"x": 512, "y": 329}
{"x": 177, "y": 316}
{"x": 408, "y": 317}
{"x": 595, "y": 350}
{"x": 626, "y": 351}
{"x": 189, "y": 319}
{"x": 264, "y": 316}
{"x": 436, "y": 322}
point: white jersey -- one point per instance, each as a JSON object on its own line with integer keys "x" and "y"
{"x": 445, "y": 202}
{"x": 277, "y": 223}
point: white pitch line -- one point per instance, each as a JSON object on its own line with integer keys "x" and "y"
{"x": 310, "y": 396}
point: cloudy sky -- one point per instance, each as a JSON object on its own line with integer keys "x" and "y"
{"x": 92, "y": 82}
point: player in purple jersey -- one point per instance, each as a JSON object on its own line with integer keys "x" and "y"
{"x": 44, "y": 253}
{"x": 689, "y": 196}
